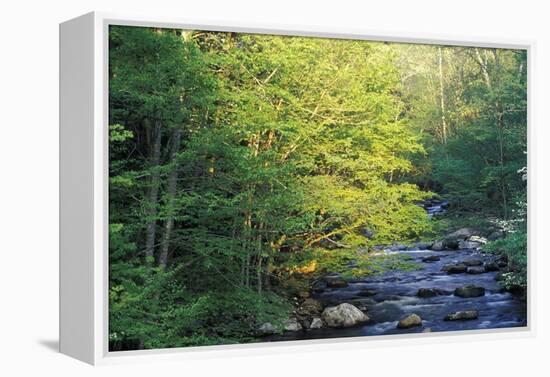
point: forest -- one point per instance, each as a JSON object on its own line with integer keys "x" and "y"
{"x": 255, "y": 179}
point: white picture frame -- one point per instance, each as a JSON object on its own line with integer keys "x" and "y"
{"x": 84, "y": 189}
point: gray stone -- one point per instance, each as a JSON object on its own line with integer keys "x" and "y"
{"x": 310, "y": 307}
{"x": 438, "y": 246}
{"x": 495, "y": 235}
{"x": 412, "y": 320}
{"x": 478, "y": 239}
{"x": 475, "y": 270}
{"x": 343, "y": 315}
{"x": 316, "y": 323}
{"x": 469, "y": 291}
{"x": 366, "y": 292}
{"x": 292, "y": 324}
{"x": 451, "y": 244}
{"x": 462, "y": 315}
{"x": 431, "y": 292}
{"x": 456, "y": 269}
{"x": 268, "y": 329}
{"x": 430, "y": 259}
{"x": 472, "y": 262}
{"x": 465, "y": 244}
{"x": 422, "y": 245}
{"x": 462, "y": 233}
{"x": 491, "y": 266}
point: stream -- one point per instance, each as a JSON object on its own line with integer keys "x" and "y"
{"x": 393, "y": 295}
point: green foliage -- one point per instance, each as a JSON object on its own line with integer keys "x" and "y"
{"x": 117, "y": 133}
{"x": 353, "y": 262}
{"x": 454, "y": 220}
{"x": 474, "y": 153}
{"x": 221, "y": 318}
{"x": 514, "y": 246}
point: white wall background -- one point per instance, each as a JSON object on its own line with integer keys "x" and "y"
{"x": 29, "y": 186}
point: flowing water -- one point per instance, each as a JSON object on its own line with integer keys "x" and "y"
{"x": 436, "y": 207}
{"x": 394, "y": 295}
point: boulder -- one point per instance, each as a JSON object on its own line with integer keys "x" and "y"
{"x": 343, "y": 315}
{"x": 478, "y": 239}
{"x": 475, "y": 270}
{"x": 422, "y": 245}
{"x": 431, "y": 292}
{"x": 366, "y": 292}
{"x": 491, "y": 266}
{"x": 292, "y": 324}
{"x": 465, "y": 244}
{"x": 502, "y": 263}
{"x": 304, "y": 322}
{"x": 497, "y": 234}
{"x": 462, "y": 233}
{"x": 412, "y": 320}
{"x": 426, "y": 292}
{"x": 310, "y": 307}
{"x": 462, "y": 315}
{"x": 472, "y": 262}
{"x": 268, "y": 329}
{"x": 469, "y": 291}
{"x": 437, "y": 246}
{"x": 456, "y": 269}
{"x": 430, "y": 259}
{"x": 451, "y": 244}
{"x": 316, "y": 323}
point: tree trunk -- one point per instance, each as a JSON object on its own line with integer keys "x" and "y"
{"x": 484, "y": 68}
{"x": 500, "y": 125}
{"x": 442, "y": 97}
{"x": 246, "y": 245}
{"x": 151, "y": 212}
{"x": 171, "y": 194}
{"x": 259, "y": 267}
{"x": 493, "y": 86}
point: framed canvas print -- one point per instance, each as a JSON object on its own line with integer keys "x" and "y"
{"x": 235, "y": 187}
